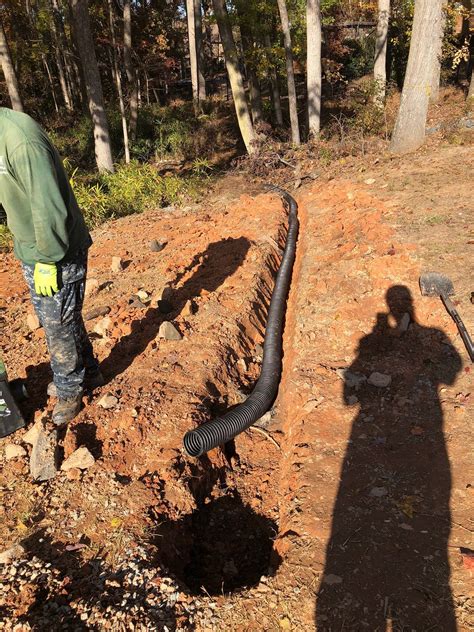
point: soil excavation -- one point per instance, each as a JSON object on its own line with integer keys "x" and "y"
{"x": 347, "y": 507}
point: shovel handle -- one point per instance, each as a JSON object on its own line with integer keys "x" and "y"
{"x": 466, "y": 338}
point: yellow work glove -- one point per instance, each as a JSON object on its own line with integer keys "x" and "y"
{"x": 46, "y": 279}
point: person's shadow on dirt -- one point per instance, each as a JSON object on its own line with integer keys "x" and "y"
{"x": 209, "y": 270}
{"x": 386, "y": 562}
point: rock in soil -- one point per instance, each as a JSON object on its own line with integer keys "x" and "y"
{"x": 381, "y": 380}
{"x": 96, "y": 312}
{"x": 157, "y": 245}
{"x": 169, "y": 332}
{"x": 91, "y": 286}
{"x": 33, "y": 322}
{"x": 117, "y": 264}
{"x": 43, "y": 455}
{"x": 80, "y": 458}
{"x": 102, "y": 326}
{"x": 13, "y": 451}
{"x": 31, "y": 436}
{"x": 108, "y": 401}
{"x": 13, "y": 553}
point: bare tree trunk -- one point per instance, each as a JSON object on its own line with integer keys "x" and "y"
{"x": 380, "y": 59}
{"x": 276, "y": 98}
{"x": 9, "y": 72}
{"x": 193, "y": 56}
{"x": 59, "y": 42}
{"x": 51, "y": 82}
{"x": 85, "y": 44}
{"x": 235, "y": 76}
{"x": 199, "y": 50}
{"x": 254, "y": 86}
{"x": 409, "y": 132}
{"x": 118, "y": 83}
{"x": 293, "y": 104}
{"x": 438, "y": 36}
{"x": 313, "y": 65}
{"x": 129, "y": 68}
{"x": 64, "y": 54}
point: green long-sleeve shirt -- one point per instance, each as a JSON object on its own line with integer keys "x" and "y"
{"x": 42, "y": 212}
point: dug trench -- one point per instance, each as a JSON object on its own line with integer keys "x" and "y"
{"x": 210, "y": 523}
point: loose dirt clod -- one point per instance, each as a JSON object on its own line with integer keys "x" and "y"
{"x": 117, "y": 264}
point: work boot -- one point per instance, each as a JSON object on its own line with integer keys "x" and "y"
{"x": 91, "y": 382}
{"x": 66, "y": 409}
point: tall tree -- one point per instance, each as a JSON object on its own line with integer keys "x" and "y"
{"x": 118, "y": 82}
{"x": 380, "y": 60}
{"x": 409, "y": 132}
{"x": 293, "y": 104}
{"x": 58, "y": 44}
{"x": 276, "y": 98}
{"x": 235, "y": 76}
{"x": 199, "y": 50}
{"x": 248, "y": 44}
{"x": 9, "y": 72}
{"x": 129, "y": 68}
{"x": 90, "y": 69}
{"x": 313, "y": 65}
{"x": 438, "y": 36}
{"x": 193, "y": 52}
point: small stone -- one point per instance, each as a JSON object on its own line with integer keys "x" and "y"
{"x": 157, "y": 245}
{"x": 117, "y": 264}
{"x": 92, "y": 285}
{"x": 370, "y": 181}
{"x": 11, "y": 554}
{"x": 352, "y": 380}
{"x": 108, "y": 401}
{"x": 43, "y": 455}
{"x": 164, "y": 306}
{"x": 31, "y": 436}
{"x": 378, "y": 492}
{"x": 96, "y": 312}
{"x": 13, "y": 451}
{"x": 380, "y": 380}
{"x": 74, "y": 474}
{"x": 264, "y": 420}
{"x": 33, "y": 322}
{"x": 143, "y": 296}
{"x": 352, "y": 399}
{"x": 168, "y": 331}
{"x": 103, "y": 326}
{"x": 80, "y": 458}
{"x": 188, "y": 309}
{"x": 332, "y": 579}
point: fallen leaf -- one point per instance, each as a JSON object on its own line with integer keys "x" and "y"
{"x": 406, "y": 505}
{"x": 115, "y": 523}
{"x": 285, "y": 624}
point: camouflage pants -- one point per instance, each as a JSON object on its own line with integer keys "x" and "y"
{"x": 69, "y": 347}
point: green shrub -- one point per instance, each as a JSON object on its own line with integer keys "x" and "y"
{"x": 132, "y": 188}
{"x": 5, "y": 238}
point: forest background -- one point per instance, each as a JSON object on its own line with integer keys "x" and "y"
{"x": 147, "y": 99}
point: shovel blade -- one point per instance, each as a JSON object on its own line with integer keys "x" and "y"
{"x": 435, "y": 284}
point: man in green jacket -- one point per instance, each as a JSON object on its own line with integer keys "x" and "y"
{"x": 51, "y": 240}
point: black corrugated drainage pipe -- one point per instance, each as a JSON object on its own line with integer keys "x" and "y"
{"x": 223, "y": 429}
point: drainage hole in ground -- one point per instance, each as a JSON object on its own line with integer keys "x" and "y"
{"x": 222, "y": 547}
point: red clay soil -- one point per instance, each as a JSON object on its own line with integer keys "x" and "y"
{"x": 351, "y": 508}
